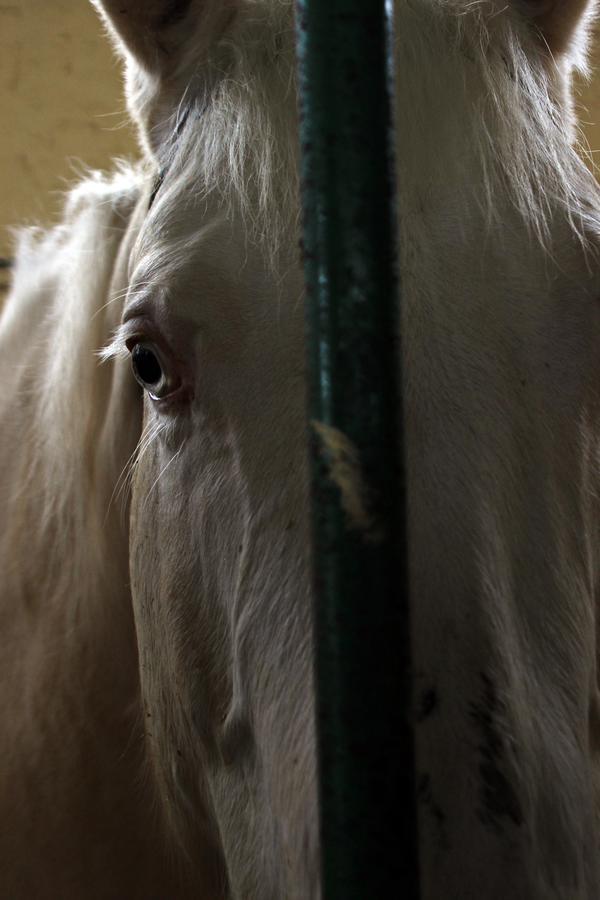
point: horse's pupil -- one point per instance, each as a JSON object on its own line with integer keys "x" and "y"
{"x": 146, "y": 365}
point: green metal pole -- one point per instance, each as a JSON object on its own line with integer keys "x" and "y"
{"x": 362, "y": 628}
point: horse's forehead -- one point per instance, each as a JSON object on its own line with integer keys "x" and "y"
{"x": 183, "y": 265}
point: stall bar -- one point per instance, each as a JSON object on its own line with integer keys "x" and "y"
{"x": 362, "y": 613}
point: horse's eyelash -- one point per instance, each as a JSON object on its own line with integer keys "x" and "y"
{"x": 117, "y": 348}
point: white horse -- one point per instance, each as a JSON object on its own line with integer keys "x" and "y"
{"x": 156, "y": 690}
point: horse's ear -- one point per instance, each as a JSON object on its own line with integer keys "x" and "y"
{"x": 164, "y": 43}
{"x": 154, "y": 31}
{"x": 562, "y": 24}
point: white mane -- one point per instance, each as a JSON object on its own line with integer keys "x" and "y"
{"x": 240, "y": 134}
{"x": 59, "y": 311}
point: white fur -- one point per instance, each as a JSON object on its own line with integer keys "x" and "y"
{"x": 499, "y": 240}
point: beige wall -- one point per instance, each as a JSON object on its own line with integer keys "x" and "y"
{"x": 60, "y": 104}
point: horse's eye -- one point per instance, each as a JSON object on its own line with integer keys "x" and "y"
{"x": 150, "y": 372}
{"x": 146, "y": 365}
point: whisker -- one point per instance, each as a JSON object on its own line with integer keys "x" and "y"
{"x": 124, "y": 480}
{"x": 160, "y": 474}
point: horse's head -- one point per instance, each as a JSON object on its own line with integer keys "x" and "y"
{"x": 213, "y": 321}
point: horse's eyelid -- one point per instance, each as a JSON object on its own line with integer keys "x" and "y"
{"x": 131, "y": 341}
